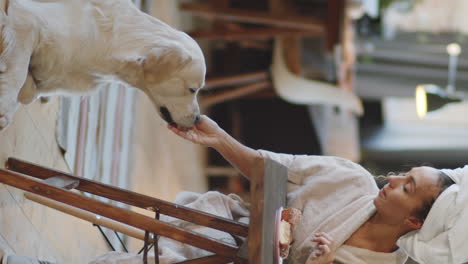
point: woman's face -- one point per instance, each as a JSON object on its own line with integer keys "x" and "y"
{"x": 404, "y": 194}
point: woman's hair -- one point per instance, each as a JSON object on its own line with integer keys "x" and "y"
{"x": 444, "y": 182}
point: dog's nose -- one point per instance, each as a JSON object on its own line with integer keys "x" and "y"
{"x": 166, "y": 115}
{"x": 197, "y": 118}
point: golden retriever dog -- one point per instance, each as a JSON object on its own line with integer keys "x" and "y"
{"x": 71, "y": 47}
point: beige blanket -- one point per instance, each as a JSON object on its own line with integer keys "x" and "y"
{"x": 170, "y": 251}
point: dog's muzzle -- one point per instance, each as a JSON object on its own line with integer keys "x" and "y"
{"x": 166, "y": 115}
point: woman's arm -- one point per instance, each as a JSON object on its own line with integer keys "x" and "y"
{"x": 208, "y": 133}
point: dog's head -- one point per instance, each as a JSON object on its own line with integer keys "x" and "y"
{"x": 173, "y": 74}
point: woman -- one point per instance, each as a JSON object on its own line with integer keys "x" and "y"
{"x": 340, "y": 198}
{"x": 346, "y": 219}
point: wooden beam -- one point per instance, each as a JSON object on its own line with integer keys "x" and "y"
{"x": 233, "y": 94}
{"x": 236, "y": 79}
{"x": 255, "y": 17}
{"x": 250, "y": 33}
{"x": 133, "y": 198}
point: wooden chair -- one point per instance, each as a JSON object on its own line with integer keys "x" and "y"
{"x": 57, "y": 186}
{"x": 49, "y": 185}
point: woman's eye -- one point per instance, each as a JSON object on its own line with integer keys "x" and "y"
{"x": 192, "y": 90}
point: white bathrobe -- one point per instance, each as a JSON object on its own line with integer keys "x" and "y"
{"x": 335, "y": 196}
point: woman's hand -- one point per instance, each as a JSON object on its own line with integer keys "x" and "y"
{"x": 205, "y": 132}
{"x": 323, "y": 253}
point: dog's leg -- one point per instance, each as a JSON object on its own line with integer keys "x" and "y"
{"x": 17, "y": 42}
{"x": 28, "y": 92}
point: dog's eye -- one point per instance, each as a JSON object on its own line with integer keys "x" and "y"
{"x": 192, "y": 90}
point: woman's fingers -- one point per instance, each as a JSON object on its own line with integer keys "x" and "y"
{"x": 322, "y": 240}
{"x": 325, "y": 249}
{"x": 327, "y": 236}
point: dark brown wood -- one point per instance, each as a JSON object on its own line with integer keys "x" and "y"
{"x": 234, "y": 93}
{"x": 281, "y": 6}
{"x": 335, "y": 13}
{"x": 208, "y": 260}
{"x": 238, "y": 79}
{"x": 255, "y": 17}
{"x": 122, "y": 215}
{"x": 219, "y": 3}
{"x": 133, "y": 198}
{"x": 250, "y": 33}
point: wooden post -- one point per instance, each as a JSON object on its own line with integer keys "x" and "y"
{"x": 263, "y": 33}
{"x": 255, "y": 17}
{"x": 256, "y": 212}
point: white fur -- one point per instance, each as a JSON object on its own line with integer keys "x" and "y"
{"x": 75, "y": 46}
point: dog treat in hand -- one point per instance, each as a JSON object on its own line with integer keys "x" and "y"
{"x": 289, "y": 218}
{"x": 291, "y": 215}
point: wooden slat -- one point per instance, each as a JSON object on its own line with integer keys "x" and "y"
{"x": 122, "y": 215}
{"x": 208, "y": 260}
{"x": 250, "y": 33}
{"x": 236, "y": 79}
{"x": 234, "y": 93}
{"x": 255, "y": 17}
{"x": 133, "y": 198}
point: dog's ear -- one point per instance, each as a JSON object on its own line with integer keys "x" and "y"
{"x": 163, "y": 62}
